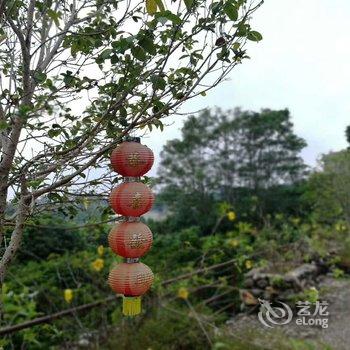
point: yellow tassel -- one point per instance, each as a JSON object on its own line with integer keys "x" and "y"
{"x": 131, "y": 306}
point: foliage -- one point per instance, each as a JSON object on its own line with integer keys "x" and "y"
{"x": 234, "y": 184}
{"x": 60, "y": 281}
{"x": 19, "y": 307}
{"x": 79, "y": 75}
{"x": 67, "y": 267}
{"x": 46, "y": 286}
{"x": 48, "y": 235}
{"x": 172, "y": 327}
{"x": 249, "y": 160}
{"x": 329, "y": 188}
{"x": 347, "y": 135}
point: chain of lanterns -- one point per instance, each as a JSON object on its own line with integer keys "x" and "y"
{"x": 130, "y": 238}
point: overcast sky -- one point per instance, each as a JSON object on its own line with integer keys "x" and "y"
{"x": 302, "y": 64}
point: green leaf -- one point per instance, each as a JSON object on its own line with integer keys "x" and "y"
{"x": 40, "y": 77}
{"x": 188, "y": 4}
{"x": 54, "y": 197}
{"x": 170, "y": 16}
{"x": 158, "y": 124}
{"x": 120, "y": 46}
{"x": 254, "y": 36}
{"x": 3, "y": 125}
{"x": 231, "y": 12}
{"x": 147, "y": 44}
{"x": 68, "y": 78}
{"x": 55, "y": 16}
{"x": 236, "y": 46}
{"x": 215, "y": 7}
{"x": 123, "y": 112}
{"x": 151, "y": 7}
{"x": 114, "y": 59}
{"x": 39, "y": 5}
{"x": 35, "y": 183}
{"x": 160, "y": 5}
{"x": 139, "y": 53}
{"x": 54, "y": 132}
{"x": 242, "y": 29}
{"x": 24, "y": 110}
{"x": 106, "y": 54}
{"x": 158, "y": 83}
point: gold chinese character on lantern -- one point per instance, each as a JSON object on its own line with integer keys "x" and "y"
{"x": 136, "y": 200}
{"x": 136, "y": 241}
{"x": 134, "y": 160}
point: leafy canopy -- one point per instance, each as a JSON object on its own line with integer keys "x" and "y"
{"x": 248, "y": 159}
{"x": 77, "y": 75}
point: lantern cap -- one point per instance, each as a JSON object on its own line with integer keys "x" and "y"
{"x": 131, "y": 219}
{"x": 129, "y": 138}
{"x": 131, "y": 179}
{"x": 131, "y": 260}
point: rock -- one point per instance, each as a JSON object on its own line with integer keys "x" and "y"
{"x": 254, "y": 272}
{"x": 286, "y": 294}
{"x": 304, "y": 271}
{"x": 270, "y": 286}
{"x": 248, "y": 283}
{"x": 270, "y": 293}
{"x": 262, "y": 283}
{"x": 257, "y": 292}
{"x": 83, "y": 343}
{"x": 294, "y": 282}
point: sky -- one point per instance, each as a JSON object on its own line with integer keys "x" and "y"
{"x": 303, "y": 64}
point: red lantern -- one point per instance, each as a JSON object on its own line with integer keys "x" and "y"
{"x": 130, "y": 239}
{"x": 132, "y": 159}
{"x": 131, "y": 199}
{"x": 131, "y": 279}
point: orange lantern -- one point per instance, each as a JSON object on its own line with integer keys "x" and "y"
{"x": 131, "y": 199}
{"x": 132, "y": 159}
{"x": 130, "y": 239}
{"x": 132, "y": 280}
